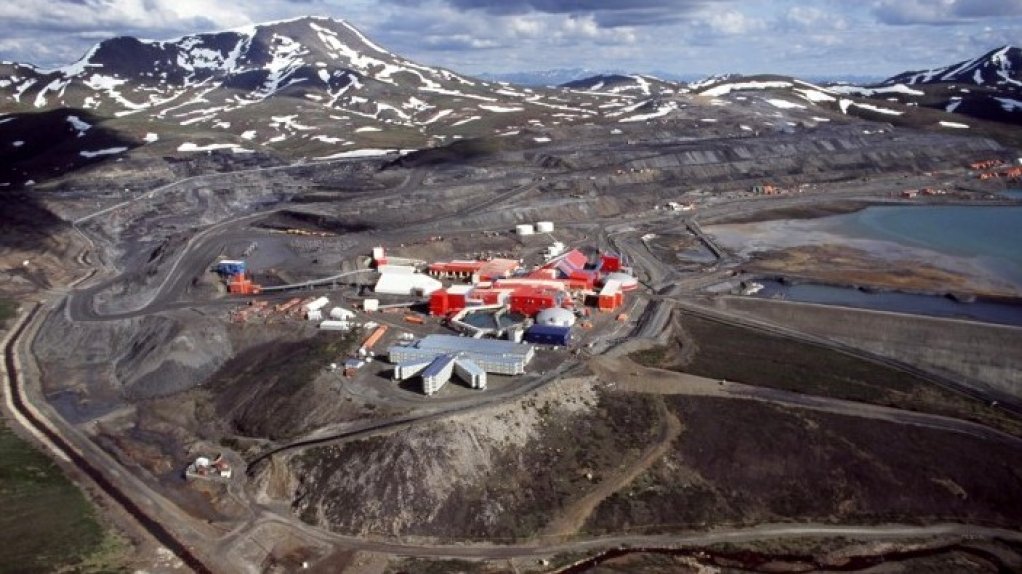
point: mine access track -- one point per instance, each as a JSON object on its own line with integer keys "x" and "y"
{"x": 161, "y": 534}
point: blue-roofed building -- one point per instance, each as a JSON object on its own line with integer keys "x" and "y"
{"x": 492, "y": 356}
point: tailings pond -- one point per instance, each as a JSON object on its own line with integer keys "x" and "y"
{"x": 981, "y": 310}
{"x": 980, "y": 242}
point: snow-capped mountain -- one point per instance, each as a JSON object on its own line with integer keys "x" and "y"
{"x": 1000, "y": 67}
{"x": 988, "y": 87}
{"x": 311, "y": 86}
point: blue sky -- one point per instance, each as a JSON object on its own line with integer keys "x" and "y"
{"x": 809, "y": 38}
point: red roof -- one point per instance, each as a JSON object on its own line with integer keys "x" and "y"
{"x": 574, "y": 259}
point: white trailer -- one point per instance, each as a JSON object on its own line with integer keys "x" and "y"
{"x": 317, "y": 304}
{"x": 335, "y": 326}
{"x": 341, "y": 314}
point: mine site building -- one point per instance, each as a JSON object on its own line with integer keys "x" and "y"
{"x": 436, "y": 375}
{"x": 531, "y": 300}
{"x": 474, "y": 271}
{"x": 403, "y": 280}
{"x": 610, "y": 296}
{"x": 548, "y": 335}
{"x": 230, "y": 267}
{"x": 493, "y": 356}
{"x": 468, "y": 371}
{"x": 452, "y": 299}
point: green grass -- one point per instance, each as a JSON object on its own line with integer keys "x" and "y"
{"x": 47, "y": 523}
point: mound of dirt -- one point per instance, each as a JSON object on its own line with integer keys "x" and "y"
{"x": 502, "y": 473}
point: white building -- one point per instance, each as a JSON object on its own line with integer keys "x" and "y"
{"x": 400, "y": 280}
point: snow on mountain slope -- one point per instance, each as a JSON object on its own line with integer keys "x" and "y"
{"x": 325, "y": 72}
{"x": 976, "y": 87}
{"x": 1002, "y": 66}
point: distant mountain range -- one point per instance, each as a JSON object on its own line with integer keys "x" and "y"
{"x": 319, "y": 88}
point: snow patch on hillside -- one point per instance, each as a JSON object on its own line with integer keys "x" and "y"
{"x": 724, "y": 89}
{"x": 78, "y": 124}
{"x": 99, "y": 152}
{"x": 785, "y": 104}
{"x": 189, "y": 147}
{"x": 500, "y": 109}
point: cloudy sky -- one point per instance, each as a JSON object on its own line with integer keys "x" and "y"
{"x": 802, "y": 37}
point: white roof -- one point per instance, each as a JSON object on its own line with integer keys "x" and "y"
{"x": 556, "y": 316}
{"x": 459, "y": 289}
{"x": 624, "y": 279}
{"x": 406, "y": 284}
{"x": 317, "y": 304}
{"x": 404, "y": 269}
{"x": 610, "y": 287}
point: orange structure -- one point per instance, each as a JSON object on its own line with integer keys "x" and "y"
{"x": 985, "y": 164}
{"x": 374, "y": 338}
{"x": 242, "y": 284}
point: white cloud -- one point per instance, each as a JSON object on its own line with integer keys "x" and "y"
{"x": 732, "y": 22}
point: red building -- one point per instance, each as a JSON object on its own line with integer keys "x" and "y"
{"x": 610, "y": 263}
{"x": 531, "y": 300}
{"x": 464, "y": 270}
{"x": 451, "y": 300}
{"x": 611, "y": 297}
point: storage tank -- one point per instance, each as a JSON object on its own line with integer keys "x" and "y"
{"x": 545, "y": 226}
{"x": 341, "y": 313}
{"x": 317, "y": 304}
{"x": 556, "y": 316}
{"x": 335, "y": 325}
{"x": 314, "y": 315}
{"x": 524, "y": 229}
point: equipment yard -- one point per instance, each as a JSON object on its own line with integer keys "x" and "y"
{"x": 517, "y": 357}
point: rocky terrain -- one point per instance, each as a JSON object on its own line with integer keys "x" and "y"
{"x": 301, "y": 145}
{"x": 497, "y": 474}
{"x": 851, "y": 471}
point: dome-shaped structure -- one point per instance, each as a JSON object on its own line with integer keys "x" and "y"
{"x": 555, "y": 316}
{"x": 627, "y": 282}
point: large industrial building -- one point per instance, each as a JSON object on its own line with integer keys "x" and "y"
{"x": 494, "y": 356}
{"x": 404, "y": 280}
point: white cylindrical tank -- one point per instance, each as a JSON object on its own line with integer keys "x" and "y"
{"x": 314, "y": 315}
{"x": 524, "y": 229}
{"x": 556, "y": 316}
{"x": 317, "y": 304}
{"x": 545, "y": 226}
{"x": 335, "y": 325}
{"x": 341, "y": 313}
